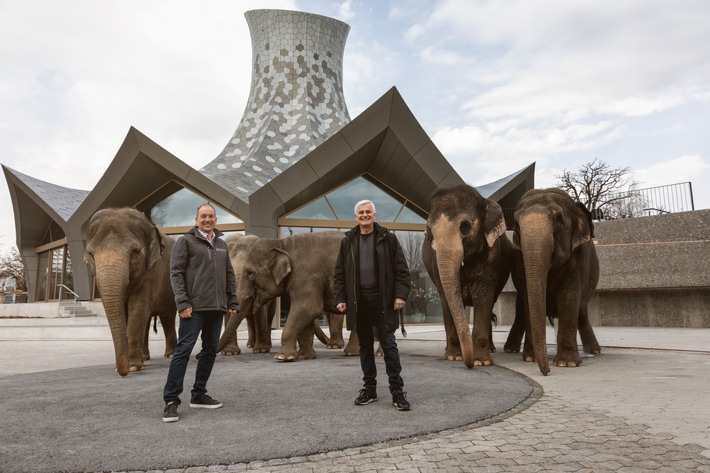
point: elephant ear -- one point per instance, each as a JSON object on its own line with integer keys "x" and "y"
{"x": 583, "y": 227}
{"x": 494, "y": 223}
{"x": 280, "y": 265}
{"x": 157, "y": 246}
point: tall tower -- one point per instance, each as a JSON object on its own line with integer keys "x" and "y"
{"x": 296, "y": 100}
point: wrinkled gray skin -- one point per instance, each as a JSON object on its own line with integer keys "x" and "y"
{"x": 259, "y": 325}
{"x": 555, "y": 273}
{"x": 131, "y": 261}
{"x": 300, "y": 266}
{"x": 468, "y": 257}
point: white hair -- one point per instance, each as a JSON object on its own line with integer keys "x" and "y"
{"x": 363, "y": 202}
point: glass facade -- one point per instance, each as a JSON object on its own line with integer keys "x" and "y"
{"x": 179, "y": 210}
{"x": 423, "y": 305}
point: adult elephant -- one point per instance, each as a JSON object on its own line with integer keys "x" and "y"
{"x": 468, "y": 257}
{"x": 300, "y": 267}
{"x": 131, "y": 261}
{"x": 556, "y": 272}
{"x": 259, "y": 324}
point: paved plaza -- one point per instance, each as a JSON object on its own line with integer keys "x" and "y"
{"x": 640, "y": 406}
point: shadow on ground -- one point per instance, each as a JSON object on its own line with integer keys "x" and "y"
{"x": 90, "y": 419}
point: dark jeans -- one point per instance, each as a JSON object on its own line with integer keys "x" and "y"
{"x": 371, "y": 314}
{"x": 210, "y": 324}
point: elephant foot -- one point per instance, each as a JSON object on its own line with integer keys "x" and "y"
{"x": 335, "y": 344}
{"x": 482, "y": 362}
{"x": 594, "y": 350}
{"x": 284, "y": 357}
{"x": 231, "y": 350}
{"x": 453, "y": 358}
{"x": 262, "y": 349}
{"x": 134, "y": 368}
{"x": 307, "y": 355}
{"x": 379, "y": 352}
{"x": 511, "y": 347}
{"x": 351, "y": 352}
{"x": 168, "y": 354}
{"x": 453, "y": 354}
{"x": 567, "y": 361}
{"x": 491, "y": 348}
{"x": 250, "y": 344}
{"x": 529, "y": 356}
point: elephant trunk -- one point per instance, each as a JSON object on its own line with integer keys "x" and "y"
{"x": 536, "y": 244}
{"x": 245, "y": 308}
{"x": 449, "y": 261}
{"x": 112, "y": 281}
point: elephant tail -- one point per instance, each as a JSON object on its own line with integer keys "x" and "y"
{"x": 155, "y": 323}
{"x": 320, "y": 334}
{"x": 401, "y": 323}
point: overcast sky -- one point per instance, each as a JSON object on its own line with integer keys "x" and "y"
{"x": 496, "y": 84}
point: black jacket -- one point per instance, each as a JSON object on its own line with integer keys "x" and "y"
{"x": 201, "y": 274}
{"x": 392, "y": 271}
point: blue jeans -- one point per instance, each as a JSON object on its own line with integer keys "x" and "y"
{"x": 210, "y": 324}
{"x": 371, "y": 314}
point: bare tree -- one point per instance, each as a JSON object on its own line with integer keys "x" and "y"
{"x": 411, "y": 243}
{"x": 12, "y": 267}
{"x": 596, "y": 184}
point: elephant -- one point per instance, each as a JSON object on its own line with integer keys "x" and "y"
{"x": 131, "y": 262}
{"x": 300, "y": 267}
{"x": 555, "y": 272}
{"x": 468, "y": 257}
{"x": 259, "y": 325}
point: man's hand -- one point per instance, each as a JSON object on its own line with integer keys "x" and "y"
{"x": 341, "y": 307}
{"x": 185, "y": 313}
{"x": 398, "y": 303}
{"x": 233, "y": 311}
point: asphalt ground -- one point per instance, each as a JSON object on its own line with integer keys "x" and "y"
{"x": 90, "y": 419}
{"x": 640, "y": 406}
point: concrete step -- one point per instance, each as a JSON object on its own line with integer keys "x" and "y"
{"x": 55, "y": 328}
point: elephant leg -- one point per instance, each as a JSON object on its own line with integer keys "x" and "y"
{"x": 263, "y": 319}
{"x": 168, "y": 323}
{"x": 305, "y": 344}
{"x": 232, "y": 347}
{"x": 568, "y": 313}
{"x": 298, "y": 319}
{"x": 145, "y": 354}
{"x": 482, "y": 328}
{"x": 353, "y": 346}
{"x": 335, "y": 324}
{"x": 515, "y": 336}
{"x": 251, "y": 331}
{"x": 452, "y": 351}
{"x": 137, "y": 327}
{"x": 586, "y": 333}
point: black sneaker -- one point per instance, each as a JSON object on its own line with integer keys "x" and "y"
{"x": 399, "y": 400}
{"x": 205, "y": 402}
{"x": 366, "y": 396}
{"x": 170, "y": 413}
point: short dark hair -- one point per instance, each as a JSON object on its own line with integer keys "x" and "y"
{"x": 206, "y": 204}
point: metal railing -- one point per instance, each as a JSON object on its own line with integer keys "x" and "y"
{"x": 61, "y": 297}
{"x": 636, "y": 203}
{"x": 645, "y": 202}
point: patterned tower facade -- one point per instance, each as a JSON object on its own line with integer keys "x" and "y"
{"x": 296, "y": 100}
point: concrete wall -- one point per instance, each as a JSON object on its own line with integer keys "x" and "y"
{"x": 653, "y": 273}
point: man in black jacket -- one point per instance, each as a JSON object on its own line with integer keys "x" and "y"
{"x": 371, "y": 286}
{"x": 205, "y": 287}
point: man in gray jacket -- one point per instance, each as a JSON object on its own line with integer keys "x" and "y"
{"x": 205, "y": 287}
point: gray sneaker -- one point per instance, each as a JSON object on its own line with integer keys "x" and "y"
{"x": 205, "y": 402}
{"x": 170, "y": 413}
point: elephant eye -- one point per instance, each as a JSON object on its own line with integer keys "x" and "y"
{"x": 465, "y": 227}
{"x": 429, "y": 234}
{"x": 251, "y": 275}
